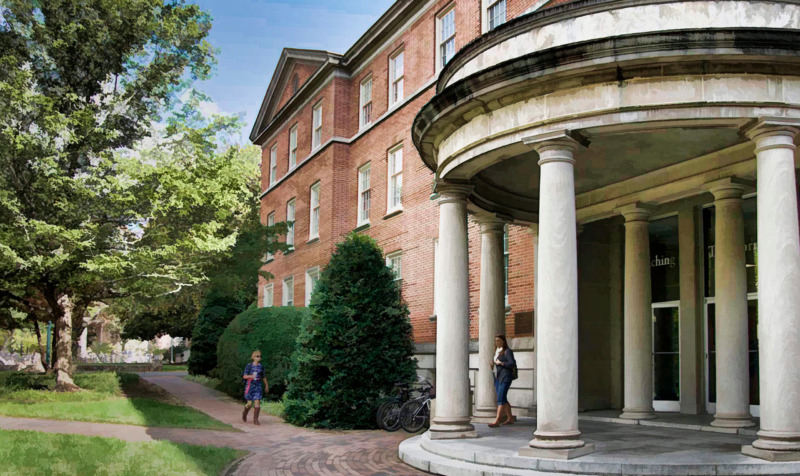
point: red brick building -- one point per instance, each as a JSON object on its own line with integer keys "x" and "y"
{"x": 350, "y": 142}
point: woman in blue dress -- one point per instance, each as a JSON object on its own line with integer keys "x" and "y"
{"x": 253, "y": 374}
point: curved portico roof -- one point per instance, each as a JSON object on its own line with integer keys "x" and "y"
{"x": 631, "y": 68}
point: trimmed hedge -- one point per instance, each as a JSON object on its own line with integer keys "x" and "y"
{"x": 214, "y": 317}
{"x": 354, "y": 346}
{"x": 103, "y": 382}
{"x": 273, "y": 331}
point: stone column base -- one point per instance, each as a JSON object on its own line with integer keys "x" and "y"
{"x": 768, "y": 455}
{"x": 563, "y": 454}
{"x": 484, "y": 415}
{"x": 732, "y": 420}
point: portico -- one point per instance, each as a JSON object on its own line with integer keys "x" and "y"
{"x": 657, "y": 143}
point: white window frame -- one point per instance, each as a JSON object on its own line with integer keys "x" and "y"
{"x": 397, "y": 78}
{"x": 487, "y": 6}
{"x": 291, "y": 205}
{"x": 273, "y": 164}
{"x": 270, "y": 222}
{"x": 364, "y": 193}
{"x": 441, "y": 40}
{"x": 313, "y": 211}
{"x": 390, "y": 263}
{"x": 268, "y": 298}
{"x": 293, "y": 147}
{"x": 395, "y": 179}
{"x": 365, "y": 102}
{"x": 312, "y": 276}
{"x": 316, "y": 128}
{"x": 287, "y": 296}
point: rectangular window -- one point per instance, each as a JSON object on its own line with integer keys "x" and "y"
{"x": 497, "y": 14}
{"x": 396, "y": 74}
{"x": 268, "y": 295}
{"x": 316, "y": 137}
{"x": 447, "y": 37}
{"x": 313, "y": 228}
{"x": 273, "y": 164}
{"x": 505, "y": 263}
{"x": 290, "y": 222}
{"x": 312, "y": 276}
{"x": 270, "y": 222}
{"x": 363, "y": 194}
{"x": 288, "y": 291}
{"x": 366, "y": 102}
{"x": 293, "y": 147}
{"x": 394, "y": 262}
{"x": 395, "y": 192}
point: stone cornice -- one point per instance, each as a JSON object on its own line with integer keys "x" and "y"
{"x": 608, "y": 59}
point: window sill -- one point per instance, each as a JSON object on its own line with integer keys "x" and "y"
{"x": 508, "y": 310}
{"x": 312, "y": 240}
{"x": 393, "y": 213}
{"x": 362, "y": 227}
{"x": 270, "y": 260}
{"x": 288, "y": 252}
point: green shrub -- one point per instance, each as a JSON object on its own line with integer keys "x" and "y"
{"x": 214, "y": 317}
{"x": 273, "y": 331}
{"x": 102, "y": 382}
{"x": 355, "y": 344}
{"x": 27, "y": 381}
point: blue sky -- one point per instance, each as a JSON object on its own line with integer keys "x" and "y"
{"x": 251, "y": 35}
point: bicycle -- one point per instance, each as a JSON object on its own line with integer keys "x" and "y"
{"x": 388, "y": 414}
{"x": 416, "y": 413}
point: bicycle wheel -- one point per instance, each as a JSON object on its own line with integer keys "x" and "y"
{"x": 378, "y": 415}
{"x": 413, "y": 416}
{"x": 390, "y": 417}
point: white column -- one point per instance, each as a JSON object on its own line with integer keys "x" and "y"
{"x": 638, "y": 322}
{"x": 730, "y": 290}
{"x": 491, "y": 320}
{"x": 778, "y": 289}
{"x": 557, "y": 377}
{"x": 453, "y": 407}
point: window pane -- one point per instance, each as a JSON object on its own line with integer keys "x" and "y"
{"x": 398, "y": 66}
{"x": 664, "y": 264}
{"x": 497, "y": 14}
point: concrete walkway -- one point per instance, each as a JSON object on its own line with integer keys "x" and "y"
{"x": 276, "y": 447}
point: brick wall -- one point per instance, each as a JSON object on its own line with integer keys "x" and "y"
{"x": 415, "y": 229}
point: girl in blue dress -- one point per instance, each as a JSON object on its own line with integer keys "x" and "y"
{"x": 253, "y": 375}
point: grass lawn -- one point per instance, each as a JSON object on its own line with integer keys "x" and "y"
{"x": 174, "y": 367}
{"x": 32, "y": 453}
{"x": 138, "y": 403}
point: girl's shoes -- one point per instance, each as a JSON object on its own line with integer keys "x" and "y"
{"x": 244, "y": 413}
{"x": 256, "y": 411}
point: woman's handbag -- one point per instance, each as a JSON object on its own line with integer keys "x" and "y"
{"x": 514, "y": 373}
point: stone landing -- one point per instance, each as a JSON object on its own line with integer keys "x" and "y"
{"x": 620, "y": 449}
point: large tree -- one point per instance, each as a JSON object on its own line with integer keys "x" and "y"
{"x": 79, "y": 80}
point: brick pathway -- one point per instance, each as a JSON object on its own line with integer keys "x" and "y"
{"x": 276, "y": 447}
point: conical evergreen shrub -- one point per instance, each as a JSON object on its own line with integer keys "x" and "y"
{"x": 354, "y": 345}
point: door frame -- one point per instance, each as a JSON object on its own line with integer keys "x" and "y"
{"x": 711, "y": 407}
{"x": 666, "y": 405}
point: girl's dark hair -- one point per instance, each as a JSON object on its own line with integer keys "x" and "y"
{"x": 502, "y": 337}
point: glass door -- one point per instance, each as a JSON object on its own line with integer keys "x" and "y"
{"x": 711, "y": 354}
{"x": 666, "y": 357}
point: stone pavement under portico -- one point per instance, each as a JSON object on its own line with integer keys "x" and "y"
{"x": 673, "y": 444}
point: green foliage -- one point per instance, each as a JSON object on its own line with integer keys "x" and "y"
{"x": 211, "y": 323}
{"x": 109, "y": 383}
{"x": 273, "y": 331}
{"x": 354, "y": 345}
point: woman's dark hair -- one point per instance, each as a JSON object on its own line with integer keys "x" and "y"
{"x": 502, "y": 337}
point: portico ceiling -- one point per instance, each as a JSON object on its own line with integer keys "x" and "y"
{"x": 612, "y": 158}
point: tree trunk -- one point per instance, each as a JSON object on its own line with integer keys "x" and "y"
{"x": 42, "y": 346}
{"x": 63, "y": 362}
